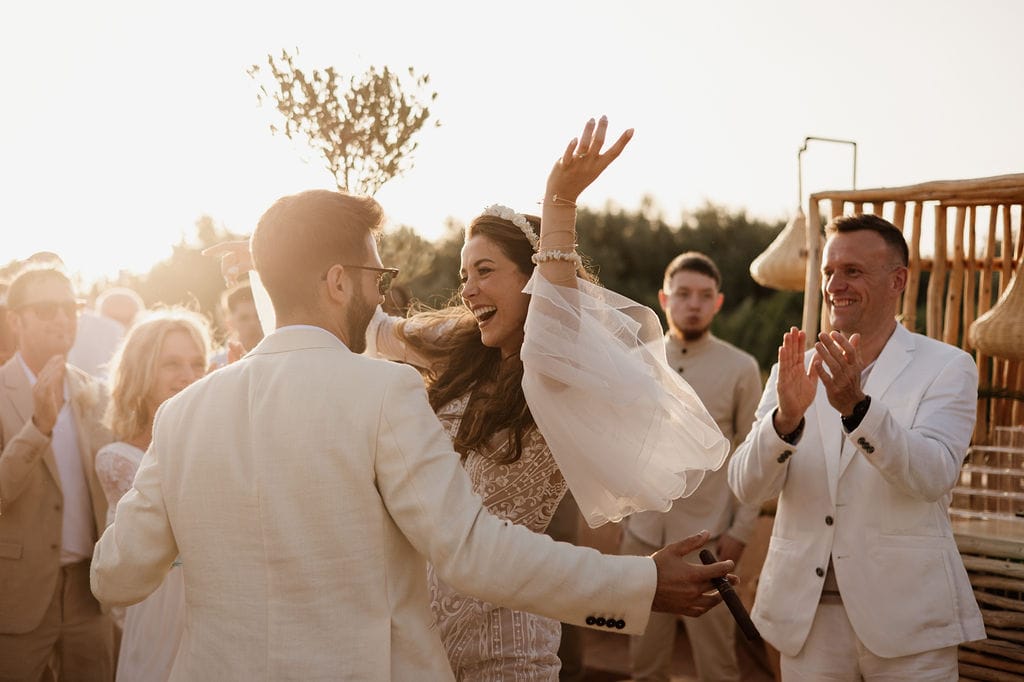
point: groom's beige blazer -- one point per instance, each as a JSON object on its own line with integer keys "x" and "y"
{"x": 305, "y": 487}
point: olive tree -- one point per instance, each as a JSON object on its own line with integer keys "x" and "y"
{"x": 363, "y": 127}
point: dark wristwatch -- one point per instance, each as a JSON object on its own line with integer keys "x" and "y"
{"x": 853, "y": 420}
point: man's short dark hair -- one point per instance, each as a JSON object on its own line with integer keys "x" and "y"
{"x": 892, "y": 235}
{"x": 694, "y": 261}
{"x": 302, "y": 235}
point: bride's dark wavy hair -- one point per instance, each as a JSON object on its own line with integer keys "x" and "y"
{"x": 467, "y": 366}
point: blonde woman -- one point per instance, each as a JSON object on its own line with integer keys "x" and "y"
{"x": 159, "y": 357}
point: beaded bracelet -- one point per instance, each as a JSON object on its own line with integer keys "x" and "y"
{"x": 557, "y": 254}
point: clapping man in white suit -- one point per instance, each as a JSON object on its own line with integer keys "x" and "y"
{"x": 862, "y": 438}
{"x": 305, "y": 486}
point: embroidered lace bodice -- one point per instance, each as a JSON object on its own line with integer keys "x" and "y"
{"x": 486, "y": 642}
{"x": 116, "y": 464}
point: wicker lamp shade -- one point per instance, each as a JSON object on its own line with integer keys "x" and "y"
{"x": 1000, "y": 331}
{"x": 783, "y": 265}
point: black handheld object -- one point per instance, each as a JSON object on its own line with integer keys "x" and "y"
{"x": 732, "y": 600}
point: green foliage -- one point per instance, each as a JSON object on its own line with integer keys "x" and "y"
{"x": 629, "y": 250}
{"x": 363, "y": 130}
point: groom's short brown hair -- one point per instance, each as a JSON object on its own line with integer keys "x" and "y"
{"x": 302, "y": 235}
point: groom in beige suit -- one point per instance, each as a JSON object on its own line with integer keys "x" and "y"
{"x": 306, "y": 486}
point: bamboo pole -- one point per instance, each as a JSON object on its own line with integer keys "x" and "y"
{"x": 937, "y": 281}
{"x": 914, "y": 276}
{"x": 971, "y": 285}
{"x": 955, "y": 286}
{"x": 812, "y": 285}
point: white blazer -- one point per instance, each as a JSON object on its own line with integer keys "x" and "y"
{"x": 875, "y": 500}
{"x": 304, "y": 488}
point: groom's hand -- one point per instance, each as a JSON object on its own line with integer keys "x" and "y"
{"x": 685, "y": 588}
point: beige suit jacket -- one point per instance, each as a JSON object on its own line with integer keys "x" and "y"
{"x": 30, "y": 493}
{"x": 305, "y": 487}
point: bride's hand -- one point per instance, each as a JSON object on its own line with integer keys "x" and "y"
{"x": 234, "y": 259}
{"x": 583, "y": 161}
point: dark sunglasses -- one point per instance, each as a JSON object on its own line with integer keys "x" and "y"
{"x": 385, "y": 276}
{"x": 47, "y": 310}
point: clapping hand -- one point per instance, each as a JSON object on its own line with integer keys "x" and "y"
{"x": 48, "y": 394}
{"x": 796, "y": 386}
{"x": 845, "y": 365}
{"x": 582, "y": 161}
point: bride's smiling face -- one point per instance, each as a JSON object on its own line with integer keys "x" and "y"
{"x": 492, "y": 287}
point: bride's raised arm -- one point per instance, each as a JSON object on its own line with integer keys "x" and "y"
{"x": 578, "y": 166}
{"x": 626, "y": 431}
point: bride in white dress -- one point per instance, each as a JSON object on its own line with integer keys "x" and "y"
{"x": 159, "y": 357}
{"x": 544, "y": 380}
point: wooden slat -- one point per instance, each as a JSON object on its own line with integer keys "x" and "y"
{"x": 1010, "y": 650}
{"x": 1002, "y": 619}
{"x": 971, "y": 277}
{"x": 812, "y": 287}
{"x": 989, "y": 661}
{"x": 955, "y": 286}
{"x": 1013, "y": 635}
{"x": 970, "y": 673}
{"x": 937, "y": 190}
{"x": 1007, "y": 568}
{"x": 1000, "y": 602}
{"x": 1006, "y": 271}
{"x": 914, "y": 275}
{"x": 937, "y": 281}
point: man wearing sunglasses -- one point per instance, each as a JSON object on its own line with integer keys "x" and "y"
{"x": 51, "y": 505}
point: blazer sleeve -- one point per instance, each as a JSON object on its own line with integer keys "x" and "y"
{"x": 757, "y": 470}
{"x": 428, "y": 494}
{"x": 136, "y": 551}
{"x": 924, "y": 459}
{"x": 20, "y": 454}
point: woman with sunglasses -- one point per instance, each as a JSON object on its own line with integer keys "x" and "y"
{"x": 159, "y": 357}
{"x": 543, "y": 383}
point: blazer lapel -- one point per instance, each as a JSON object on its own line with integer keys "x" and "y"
{"x": 20, "y": 393}
{"x": 891, "y": 362}
{"x": 82, "y": 393}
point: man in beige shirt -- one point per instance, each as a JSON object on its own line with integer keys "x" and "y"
{"x": 728, "y": 382}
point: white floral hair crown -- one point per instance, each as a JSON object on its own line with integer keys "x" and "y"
{"x": 517, "y": 219}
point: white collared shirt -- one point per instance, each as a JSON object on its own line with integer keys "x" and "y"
{"x": 77, "y": 537}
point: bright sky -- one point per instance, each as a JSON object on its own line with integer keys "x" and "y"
{"x": 124, "y": 121}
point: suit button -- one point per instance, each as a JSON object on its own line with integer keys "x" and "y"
{"x": 820, "y": 572}
{"x": 53, "y": 546}
{"x": 591, "y": 620}
{"x": 868, "y": 449}
{"x": 829, "y": 521}
{"x": 620, "y": 624}
{"x": 784, "y": 456}
{"x": 861, "y": 441}
{"x": 56, "y": 507}
{"x": 601, "y": 621}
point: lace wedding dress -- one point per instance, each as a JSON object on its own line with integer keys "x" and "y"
{"x": 618, "y": 424}
{"x": 153, "y": 627}
{"x": 486, "y": 642}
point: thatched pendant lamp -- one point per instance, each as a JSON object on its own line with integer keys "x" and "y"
{"x": 783, "y": 265}
{"x": 1000, "y": 331}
